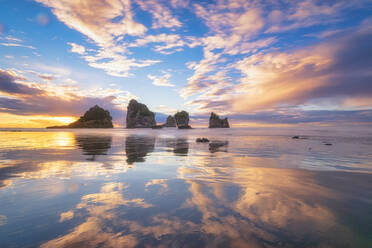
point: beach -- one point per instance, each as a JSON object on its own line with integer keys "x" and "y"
{"x": 157, "y": 188}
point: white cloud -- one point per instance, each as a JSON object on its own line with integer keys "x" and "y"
{"x": 161, "y": 80}
{"x": 16, "y": 45}
{"x": 75, "y": 48}
{"x": 162, "y": 16}
{"x": 94, "y": 18}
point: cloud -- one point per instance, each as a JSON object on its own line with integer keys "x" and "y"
{"x": 22, "y": 97}
{"x": 16, "y": 45}
{"x": 75, "y": 48}
{"x": 11, "y": 41}
{"x": 161, "y": 80}
{"x": 237, "y": 28}
{"x": 333, "y": 75}
{"x": 162, "y": 16}
{"x": 233, "y": 26}
{"x": 298, "y": 116}
{"x": 47, "y": 77}
{"x": 95, "y": 19}
{"x": 292, "y": 15}
{"x": 66, "y": 216}
{"x": 336, "y": 70}
{"x": 171, "y": 43}
{"x": 9, "y": 86}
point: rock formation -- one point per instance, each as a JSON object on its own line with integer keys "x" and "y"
{"x": 171, "y": 122}
{"x": 182, "y": 120}
{"x": 139, "y": 116}
{"x": 95, "y": 117}
{"x": 202, "y": 140}
{"x": 216, "y": 122}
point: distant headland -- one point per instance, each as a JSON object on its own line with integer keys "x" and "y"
{"x": 139, "y": 116}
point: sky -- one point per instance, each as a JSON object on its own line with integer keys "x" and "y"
{"x": 260, "y": 63}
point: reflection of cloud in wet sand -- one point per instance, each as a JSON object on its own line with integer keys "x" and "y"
{"x": 269, "y": 206}
{"x": 256, "y": 207}
{"x": 96, "y": 230}
{"x": 3, "y": 220}
{"x": 160, "y": 182}
{"x": 66, "y": 216}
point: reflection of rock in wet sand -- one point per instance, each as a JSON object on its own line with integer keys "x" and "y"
{"x": 137, "y": 148}
{"x": 94, "y": 145}
{"x": 180, "y": 146}
{"x": 217, "y": 146}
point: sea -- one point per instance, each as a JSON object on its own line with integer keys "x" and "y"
{"x": 161, "y": 188}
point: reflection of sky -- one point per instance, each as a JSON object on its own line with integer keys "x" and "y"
{"x": 78, "y": 189}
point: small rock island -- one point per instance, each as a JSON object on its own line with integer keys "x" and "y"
{"x": 139, "y": 116}
{"x": 171, "y": 122}
{"x": 216, "y": 122}
{"x": 95, "y": 117}
{"x": 182, "y": 120}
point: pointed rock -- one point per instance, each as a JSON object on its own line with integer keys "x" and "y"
{"x": 216, "y": 122}
{"x": 171, "y": 122}
{"x": 95, "y": 117}
{"x": 182, "y": 120}
{"x": 139, "y": 116}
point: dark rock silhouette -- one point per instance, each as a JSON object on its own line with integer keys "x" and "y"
{"x": 299, "y": 137}
{"x": 139, "y": 116}
{"x": 95, "y": 117}
{"x": 137, "y": 148}
{"x": 158, "y": 126}
{"x": 182, "y": 120}
{"x": 202, "y": 140}
{"x": 216, "y": 122}
{"x": 171, "y": 122}
{"x": 94, "y": 145}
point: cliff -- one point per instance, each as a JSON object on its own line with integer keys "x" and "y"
{"x": 182, "y": 120}
{"x": 216, "y": 122}
{"x": 139, "y": 116}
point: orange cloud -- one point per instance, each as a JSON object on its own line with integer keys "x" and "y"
{"x": 24, "y": 103}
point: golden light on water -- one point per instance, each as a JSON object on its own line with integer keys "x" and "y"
{"x": 38, "y": 140}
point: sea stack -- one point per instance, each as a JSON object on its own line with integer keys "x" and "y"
{"x": 95, "y": 117}
{"x": 139, "y": 116}
{"x": 171, "y": 122}
{"x": 182, "y": 120}
{"x": 216, "y": 122}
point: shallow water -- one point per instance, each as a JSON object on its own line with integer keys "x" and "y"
{"x": 158, "y": 188}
